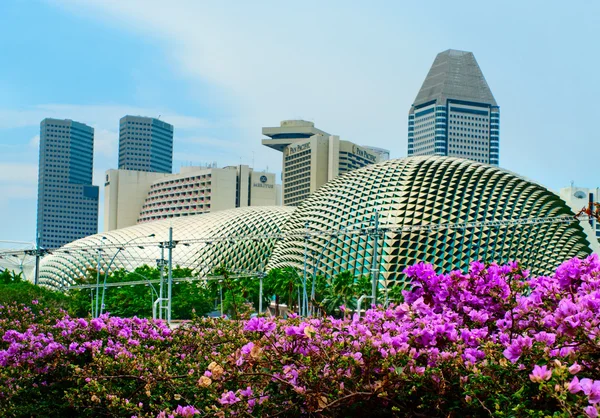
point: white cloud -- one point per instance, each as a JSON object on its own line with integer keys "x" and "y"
{"x": 16, "y": 192}
{"x": 209, "y": 142}
{"x": 312, "y": 65}
{"x": 17, "y": 181}
{"x": 18, "y": 173}
{"x": 34, "y": 143}
{"x": 102, "y": 116}
{"x": 106, "y": 143}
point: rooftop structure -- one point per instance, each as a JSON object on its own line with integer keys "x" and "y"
{"x": 312, "y": 157}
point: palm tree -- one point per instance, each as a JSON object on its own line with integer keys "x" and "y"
{"x": 283, "y": 283}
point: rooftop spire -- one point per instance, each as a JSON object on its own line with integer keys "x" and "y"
{"x": 455, "y": 75}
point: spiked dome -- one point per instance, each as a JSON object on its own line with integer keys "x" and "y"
{"x": 209, "y": 240}
{"x": 429, "y": 190}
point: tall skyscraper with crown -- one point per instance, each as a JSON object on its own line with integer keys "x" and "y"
{"x": 455, "y": 113}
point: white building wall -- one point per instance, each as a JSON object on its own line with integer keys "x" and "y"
{"x": 223, "y": 189}
{"x": 124, "y": 194}
{"x": 263, "y": 189}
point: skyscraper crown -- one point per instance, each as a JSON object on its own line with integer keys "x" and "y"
{"x": 455, "y": 75}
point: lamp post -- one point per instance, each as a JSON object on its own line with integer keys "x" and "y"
{"x": 221, "y": 292}
{"x": 318, "y": 263}
{"x": 261, "y": 276}
{"x": 108, "y": 269}
{"x": 304, "y": 295}
{"x": 153, "y": 289}
{"x": 95, "y": 311}
{"x": 374, "y": 265}
{"x": 160, "y": 263}
{"x": 171, "y": 245}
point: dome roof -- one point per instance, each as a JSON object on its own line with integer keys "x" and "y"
{"x": 422, "y": 191}
{"x": 198, "y": 250}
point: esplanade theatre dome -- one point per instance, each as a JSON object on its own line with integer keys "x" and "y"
{"x": 241, "y": 239}
{"x": 440, "y": 210}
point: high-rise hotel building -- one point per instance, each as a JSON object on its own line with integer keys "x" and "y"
{"x": 145, "y": 144}
{"x": 132, "y": 197}
{"x": 312, "y": 157}
{"x": 67, "y": 207}
{"x": 455, "y": 113}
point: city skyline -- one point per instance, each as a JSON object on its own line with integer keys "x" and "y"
{"x": 214, "y": 85}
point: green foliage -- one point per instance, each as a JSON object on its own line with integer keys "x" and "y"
{"x": 13, "y": 289}
{"x": 189, "y": 298}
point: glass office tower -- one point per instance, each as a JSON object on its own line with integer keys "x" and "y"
{"x": 145, "y": 144}
{"x": 67, "y": 201}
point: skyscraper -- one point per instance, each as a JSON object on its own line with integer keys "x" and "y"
{"x": 67, "y": 201}
{"x": 455, "y": 113}
{"x": 312, "y": 157}
{"x": 145, "y": 144}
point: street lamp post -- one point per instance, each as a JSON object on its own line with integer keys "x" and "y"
{"x": 95, "y": 311}
{"x": 261, "y": 275}
{"x": 153, "y": 289}
{"x": 110, "y": 264}
{"x": 171, "y": 244}
{"x": 374, "y": 265}
{"x": 221, "y": 292}
{"x": 318, "y": 263}
{"x": 304, "y": 294}
{"x": 161, "y": 265}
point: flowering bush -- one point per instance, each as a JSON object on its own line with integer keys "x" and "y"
{"x": 488, "y": 342}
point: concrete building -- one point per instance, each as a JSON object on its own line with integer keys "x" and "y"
{"x": 145, "y": 144}
{"x": 124, "y": 194}
{"x": 580, "y": 197}
{"x": 455, "y": 113}
{"x": 312, "y": 157}
{"x": 133, "y": 197}
{"x": 67, "y": 207}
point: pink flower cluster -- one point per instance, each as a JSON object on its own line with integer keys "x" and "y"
{"x": 112, "y": 336}
{"x": 439, "y": 348}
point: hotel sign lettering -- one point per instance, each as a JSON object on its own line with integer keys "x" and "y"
{"x": 364, "y": 154}
{"x": 297, "y": 148}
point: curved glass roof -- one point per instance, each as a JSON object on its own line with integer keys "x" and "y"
{"x": 205, "y": 242}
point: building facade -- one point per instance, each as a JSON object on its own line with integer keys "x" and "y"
{"x": 455, "y": 113}
{"x": 133, "y": 197}
{"x": 580, "y": 197}
{"x": 124, "y": 194}
{"x": 67, "y": 207}
{"x": 312, "y": 157}
{"x": 145, "y": 144}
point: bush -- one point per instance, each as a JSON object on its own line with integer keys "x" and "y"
{"x": 13, "y": 289}
{"x": 488, "y": 342}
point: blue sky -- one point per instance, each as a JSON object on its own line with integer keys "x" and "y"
{"x": 219, "y": 71}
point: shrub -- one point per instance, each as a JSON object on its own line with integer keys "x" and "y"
{"x": 491, "y": 341}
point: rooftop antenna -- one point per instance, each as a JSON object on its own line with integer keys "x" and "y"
{"x": 159, "y": 117}
{"x": 252, "y": 159}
